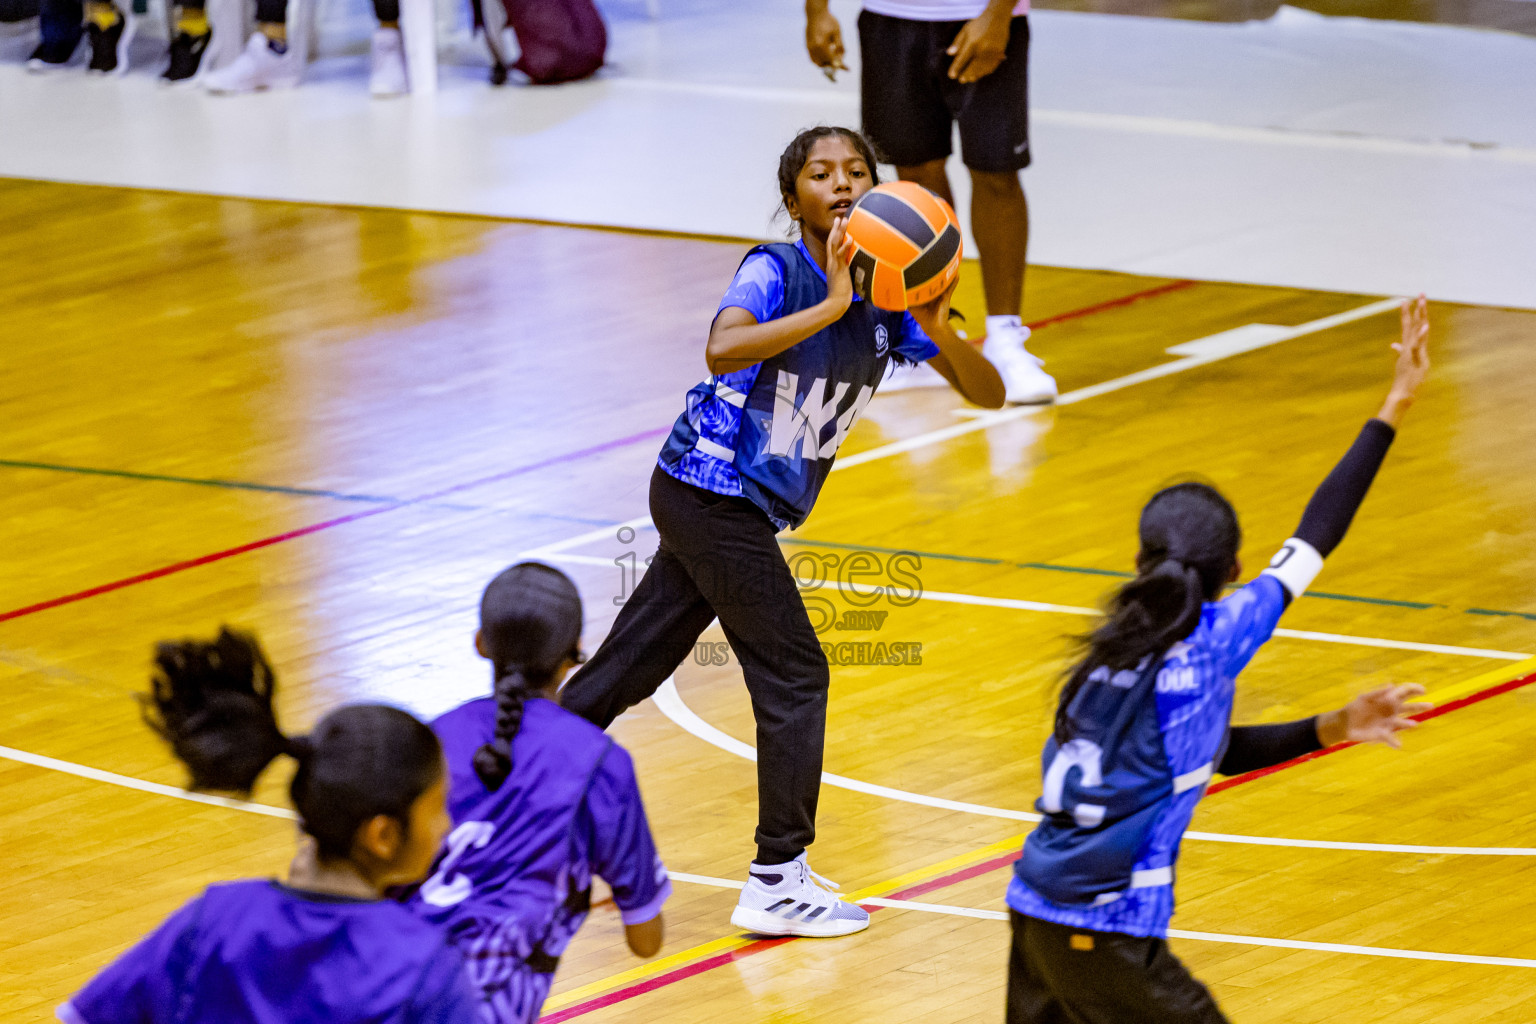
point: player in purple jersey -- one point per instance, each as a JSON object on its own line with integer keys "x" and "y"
{"x": 541, "y": 801}
{"x": 325, "y": 947}
{"x": 794, "y": 357}
{"x": 1143, "y": 722}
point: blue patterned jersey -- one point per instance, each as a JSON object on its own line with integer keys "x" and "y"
{"x": 1116, "y": 804}
{"x": 769, "y": 432}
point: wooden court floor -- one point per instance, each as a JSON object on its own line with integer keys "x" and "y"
{"x": 333, "y": 426}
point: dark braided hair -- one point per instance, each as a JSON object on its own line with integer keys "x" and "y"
{"x": 1189, "y": 542}
{"x": 530, "y": 624}
{"x": 212, "y": 702}
{"x": 792, "y": 160}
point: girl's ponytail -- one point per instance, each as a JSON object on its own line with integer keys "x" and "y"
{"x": 493, "y": 761}
{"x": 530, "y": 626}
{"x": 212, "y": 702}
{"x": 1189, "y": 542}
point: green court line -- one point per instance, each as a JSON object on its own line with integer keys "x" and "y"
{"x": 299, "y": 492}
{"x": 1089, "y": 571}
{"x": 234, "y": 485}
{"x": 1495, "y": 611}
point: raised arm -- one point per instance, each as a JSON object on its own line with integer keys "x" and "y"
{"x": 1336, "y": 500}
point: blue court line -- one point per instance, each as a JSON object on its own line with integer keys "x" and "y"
{"x": 1089, "y": 571}
{"x": 299, "y": 492}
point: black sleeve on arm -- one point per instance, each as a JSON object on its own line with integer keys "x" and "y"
{"x": 1333, "y": 506}
{"x": 1250, "y": 747}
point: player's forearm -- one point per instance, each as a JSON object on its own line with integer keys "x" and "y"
{"x": 1251, "y": 747}
{"x": 815, "y": 7}
{"x": 738, "y": 346}
{"x": 975, "y": 377}
{"x": 998, "y": 8}
{"x": 1338, "y": 497}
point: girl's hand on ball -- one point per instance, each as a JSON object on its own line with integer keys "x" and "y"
{"x": 839, "y": 255}
{"x": 934, "y": 314}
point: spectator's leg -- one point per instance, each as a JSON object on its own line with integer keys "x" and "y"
{"x": 272, "y": 22}
{"x": 61, "y": 25}
{"x": 388, "y": 75}
{"x": 1000, "y": 224}
{"x": 189, "y": 42}
{"x": 931, "y": 176}
{"x": 109, "y": 31}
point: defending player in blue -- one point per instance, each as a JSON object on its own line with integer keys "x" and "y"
{"x": 1143, "y": 722}
{"x": 326, "y": 947}
{"x": 794, "y": 358}
{"x": 541, "y": 801}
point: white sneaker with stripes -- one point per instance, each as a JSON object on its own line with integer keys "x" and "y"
{"x": 791, "y": 899}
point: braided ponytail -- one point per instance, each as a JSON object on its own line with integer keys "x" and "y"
{"x": 493, "y": 761}
{"x": 1189, "y": 541}
{"x": 530, "y": 625}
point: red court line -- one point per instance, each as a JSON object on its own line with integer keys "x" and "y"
{"x": 1422, "y": 716}
{"x": 975, "y": 871}
{"x": 304, "y": 531}
{"x": 217, "y": 556}
{"x": 1124, "y": 300}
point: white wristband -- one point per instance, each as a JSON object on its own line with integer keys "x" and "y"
{"x": 1296, "y": 565}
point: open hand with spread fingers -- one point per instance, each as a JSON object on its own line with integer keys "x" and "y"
{"x": 1376, "y": 716}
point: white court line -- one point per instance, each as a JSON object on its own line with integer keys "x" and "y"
{"x": 1177, "y": 933}
{"x": 143, "y": 786}
{"x": 671, "y": 705}
{"x": 670, "y": 702}
{"x": 1136, "y": 124}
{"x": 991, "y": 419}
{"x": 1016, "y": 604}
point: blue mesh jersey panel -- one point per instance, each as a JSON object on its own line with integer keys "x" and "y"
{"x": 770, "y": 431}
{"x": 1116, "y": 805}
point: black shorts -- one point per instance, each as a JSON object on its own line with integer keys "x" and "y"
{"x": 911, "y": 103}
{"x": 1061, "y": 975}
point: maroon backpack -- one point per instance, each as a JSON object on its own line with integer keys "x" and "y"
{"x": 560, "y": 40}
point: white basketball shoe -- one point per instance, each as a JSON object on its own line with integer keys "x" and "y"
{"x": 791, "y": 899}
{"x": 388, "y": 76}
{"x": 258, "y": 67}
{"x": 1024, "y": 380}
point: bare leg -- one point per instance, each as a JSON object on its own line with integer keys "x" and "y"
{"x": 1000, "y": 222}
{"x": 931, "y": 176}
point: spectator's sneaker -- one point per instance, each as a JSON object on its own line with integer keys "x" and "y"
{"x": 904, "y": 378}
{"x": 1024, "y": 381}
{"x": 109, "y": 46}
{"x": 388, "y": 75}
{"x": 791, "y": 899}
{"x": 52, "y": 54}
{"x": 259, "y": 66}
{"x": 186, "y": 55}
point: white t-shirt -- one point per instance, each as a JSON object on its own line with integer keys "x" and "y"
{"x": 936, "y": 10}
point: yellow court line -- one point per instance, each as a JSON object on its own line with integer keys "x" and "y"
{"x": 1485, "y": 681}
{"x": 727, "y": 943}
